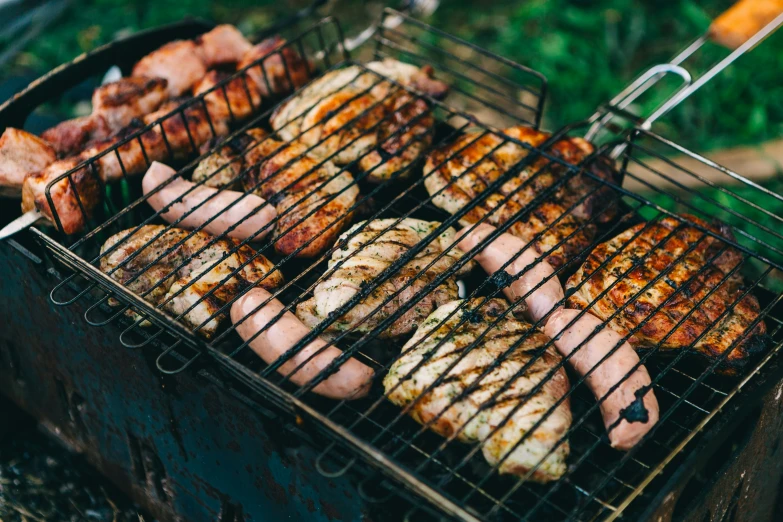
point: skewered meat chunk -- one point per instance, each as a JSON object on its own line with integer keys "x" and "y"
{"x": 367, "y": 254}
{"x": 185, "y": 130}
{"x": 178, "y": 135}
{"x": 234, "y": 101}
{"x": 73, "y": 196}
{"x": 20, "y": 153}
{"x": 222, "y": 45}
{"x": 179, "y": 62}
{"x": 184, "y": 62}
{"x": 114, "y": 106}
{"x": 120, "y": 102}
{"x": 353, "y": 114}
{"x": 204, "y": 267}
{"x": 458, "y": 173}
{"x": 475, "y": 407}
{"x": 689, "y": 265}
{"x": 283, "y": 70}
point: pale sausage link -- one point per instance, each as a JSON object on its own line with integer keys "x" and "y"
{"x": 216, "y": 211}
{"x": 271, "y": 339}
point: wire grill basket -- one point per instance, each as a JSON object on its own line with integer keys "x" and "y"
{"x": 488, "y": 93}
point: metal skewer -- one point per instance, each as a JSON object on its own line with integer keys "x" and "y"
{"x": 22, "y": 222}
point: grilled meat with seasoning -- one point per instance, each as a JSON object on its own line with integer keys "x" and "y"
{"x": 174, "y": 269}
{"x": 211, "y": 170}
{"x": 460, "y": 342}
{"x": 184, "y": 62}
{"x": 362, "y": 257}
{"x": 166, "y": 74}
{"x": 282, "y": 71}
{"x": 313, "y": 199}
{"x": 352, "y": 114}
{"x": 670, "y": 267}
{"x": 458, "y": 173}
{"x": 76, "y": 197}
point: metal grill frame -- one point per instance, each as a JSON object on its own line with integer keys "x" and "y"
{"x": 298, "y": 402}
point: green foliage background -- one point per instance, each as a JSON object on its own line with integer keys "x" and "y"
{"x": 587, "y": 49}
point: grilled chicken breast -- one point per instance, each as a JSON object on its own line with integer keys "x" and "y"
{"x": 352, "y": 114}
{"x": 682, "y": 265}
{"x": 204, "y": 269}
{"x": 480, "y": 408}
{"x": 456, "y": 174}
{"x": 362, "y": 257}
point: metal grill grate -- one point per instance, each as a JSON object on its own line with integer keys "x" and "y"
{"x": 599, "y": 482}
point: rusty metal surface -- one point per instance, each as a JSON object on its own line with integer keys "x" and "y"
{"x": 185, "y": 447}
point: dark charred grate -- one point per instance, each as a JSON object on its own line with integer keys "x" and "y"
{"x": 600, "y": 481}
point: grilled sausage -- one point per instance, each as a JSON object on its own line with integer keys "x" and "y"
{"x": 499, "y": 252}
{"x": 541, "y": 303}
{"x": 350, "y": 381}
{"x": 256, "y": 212}
{"x": 608, "y": 373}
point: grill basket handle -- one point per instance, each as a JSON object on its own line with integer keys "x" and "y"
{"x": 123, "y": 52}
{"x": 742, "y": 20}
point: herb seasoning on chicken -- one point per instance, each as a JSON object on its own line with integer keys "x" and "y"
{"x": 164, "y": 261}
{"x": 353, "y": 114}
{"x": 498, "y": 409}
{"x": 362, "y": 257}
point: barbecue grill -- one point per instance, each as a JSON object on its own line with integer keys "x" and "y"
{"x": 371, "y": 438}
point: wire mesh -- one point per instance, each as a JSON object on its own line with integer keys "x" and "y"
{"x": 487, "y": 94}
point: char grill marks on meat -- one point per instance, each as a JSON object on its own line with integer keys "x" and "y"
{"x": 458, "y": 173}
{"x": 496, "y": 383}
{"x": 365, "y": 255}
{"x": 314, "y": 199}
{"x": 114, "y": 106}
{"x": 352, "y": 115}
{"x": 177, "y": 268}
{"x": 183, "y": 125}
{"x": 659, "y": 273}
